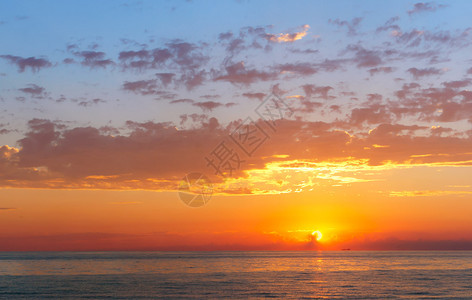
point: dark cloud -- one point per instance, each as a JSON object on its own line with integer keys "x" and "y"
{"x": 150, "y": 150}
{"x": 305, "y": 51}
{"x": 377, "y": 70}
{"x": 4, "y": 130}
{"x": 450, "y": 103}
{"x": 438, "y": 39}
{"x": 128, "y": 55}
{"x": 142, "y": 87}
{"x": 155, "y": 155}
{"x": 308, "y": 106}
{"x": 389, "y": 25}
{"x": 210, "y": 96}
{"x": 175, "y": 55}
{"x": 35, "y": 64}
{"x": 352, "y": 26}
{"x": 258, "y": 96}
{"x": 312, "y": 90}
{"x": 424, "y": 7}
{"x": 186, "y": 55}
{"x": 91, "y": 102}
{"x": 248, "y": 38}
{"x": 374, "y": 114}
{"x": 33, "y": 90}
{"x": 303, "y": 69}
{"x": 192, "y": 79}
{"x": 184, "y": 100}
{"x": 68, "y": 61}
{"x": 456, "y": 84}
{"x": 365, "y": 58}
{"x": 208, "y": 106}
{"x": 94, "y": 59}
{"x": 331, "y": 65}
{"x": 182, "y": 62}
{"x": 418, "y": 73}
{"x": 225, "y": 36}
{"x": 165, "y": 78}
{"x": 238, "y": 74}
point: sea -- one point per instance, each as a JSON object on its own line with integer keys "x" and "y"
{"x": 237, "y": 275}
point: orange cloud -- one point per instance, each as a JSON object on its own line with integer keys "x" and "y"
{"x": 288, "y": 37}
{"x": 155, "y": 156}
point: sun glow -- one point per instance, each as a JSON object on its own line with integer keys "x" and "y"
{"x": 317, "y": 235}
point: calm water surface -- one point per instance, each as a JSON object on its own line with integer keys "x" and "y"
{"x": 311, "y": 274}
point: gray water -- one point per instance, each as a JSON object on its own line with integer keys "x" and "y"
{"x": 310, "y": 274}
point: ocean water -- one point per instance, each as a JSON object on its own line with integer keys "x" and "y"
{"x": 288, "y": 275}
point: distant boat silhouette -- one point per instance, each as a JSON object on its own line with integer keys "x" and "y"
{"x": 346, "y": 249}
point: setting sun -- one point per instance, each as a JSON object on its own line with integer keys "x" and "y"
{"x": 317, "y": 235}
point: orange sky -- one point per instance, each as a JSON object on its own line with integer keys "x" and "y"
{"x": 417, "y": 209}
{"x": 352, "y": 118}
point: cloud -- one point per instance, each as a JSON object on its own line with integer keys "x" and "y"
{"x": 364, "y": 57}
{"x": 142, "y": 87}
{"x": 33, "y": 90}
{"x": 421, "y": 7}
{"x": 211, "y": 105}
{"x": 305, "y": 51}
{"x": 94, "y": 59}
{"x": 331, "y": 65}
{"x": 156, "y": 155}
{"x": 35, "y": 64}
{"x": 186, "y": 55}
{"x": 375, "y": 114}
{"x": 128, "y": 55}
{"x": 418, "y": 73}
{"x": 182, "y": 63}
{"x": 4, "y": 129}
{"x": 238, "y": 74}
{"x": 68, "y": 61}
{"x": 208, "y": 105}
{"x": 317, "y": 91}
{"x": 437, "y": 39}
{"x": 175, "y": 55}
{"x": 165, "y": 78}
{"x": 288, "y": 37}
{"x": 258, "y": 96}
{"x": 378, "y": 70}
{"x": 352, "y": 26}
{"x": 150, "y": 152}
{"x": 182, "y": 101}
{"x": 91, "y": 102}
{"x": 449, "y": 103}
{"x": 308, "y": 106}
{"x": 303, "y": 69}
{"x": 192, "y": 79}
{"x": 389, "y": 25}
{"x": 457, "y": 84}
{"x": 225, "y": 36}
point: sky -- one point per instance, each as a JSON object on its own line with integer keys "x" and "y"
{"x": 300, "y": 125}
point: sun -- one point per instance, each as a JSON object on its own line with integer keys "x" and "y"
{"x": 317, "y": 235}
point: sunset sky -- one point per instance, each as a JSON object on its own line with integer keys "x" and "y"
{"x": 107, "y": 105}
